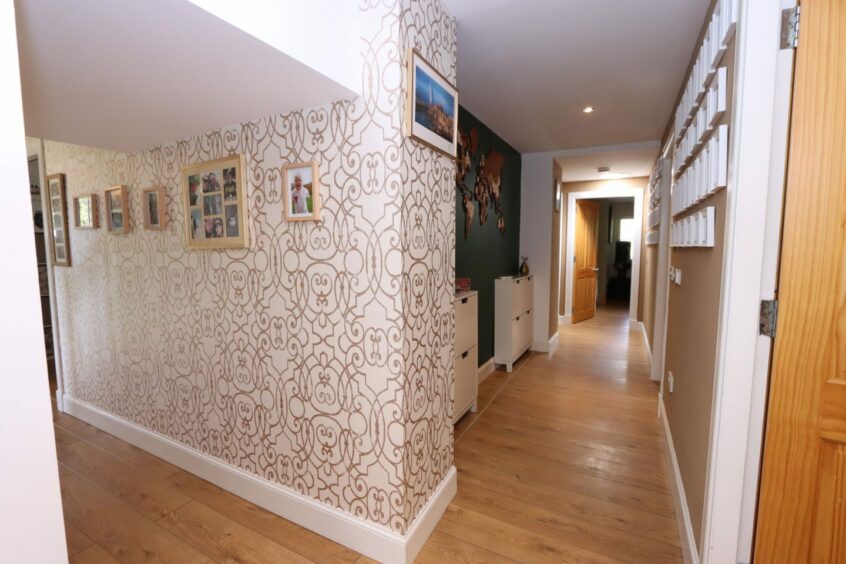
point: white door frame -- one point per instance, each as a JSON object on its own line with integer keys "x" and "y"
{"x": 763, "y": 79}
{"x": 609, "y": 191}
{"x": 662, "y": 277}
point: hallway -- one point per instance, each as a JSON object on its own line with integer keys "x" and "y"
{"x": 563, "y": 462}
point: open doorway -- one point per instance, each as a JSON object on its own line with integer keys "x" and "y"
{"x": 601, "y": 237}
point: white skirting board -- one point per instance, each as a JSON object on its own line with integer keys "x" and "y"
{"x": 688, "y": 540}
{"x": 372, "y": 540}
{"x": 641, "y": 328}
{"x": 546, "y": 346}
{"x": 485, "y": 370}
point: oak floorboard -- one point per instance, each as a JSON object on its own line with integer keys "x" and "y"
{"x": 223, "y": 540}
{"x": 77, "y": 541}
{"x": 123, "y": 533}
{"x": 94, "y": 554}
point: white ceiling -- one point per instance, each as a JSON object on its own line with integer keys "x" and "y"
{"x": 127, "y": 75}
{"x": 636, "y": 161}
{"x": 527, "y": 68}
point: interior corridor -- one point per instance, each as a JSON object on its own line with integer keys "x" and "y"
{"x": 563, "y": 462}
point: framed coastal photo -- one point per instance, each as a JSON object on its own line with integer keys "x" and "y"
{"x": 214, "y": 198}
{"x": 301, "y": 184}
{"x": 86, "y": 212}
{"x": 58, "y": 214}
{"x": 432, "y": 114}
{"x": 155, "y": 212}
{"x": 117, "y": 210}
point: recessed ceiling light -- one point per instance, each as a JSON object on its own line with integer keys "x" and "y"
{"x": 605, "y": 173}
{"x": 588, "y": 110}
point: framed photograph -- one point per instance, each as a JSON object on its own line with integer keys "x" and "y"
{"x": 58, "y": 214}
{"x": 117, "y": 210}
{"x": 86, "y": 212}
{"x": 214, "y": 197}
{"x": 432, "y": 113}
{"x": 155, "y": 210}
{"x": 301, "y": 186}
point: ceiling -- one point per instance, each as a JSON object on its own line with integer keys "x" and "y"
{"x": 635, "y": 161}
{"x": 528, "y": 68}
{"x": 128, "y": 75}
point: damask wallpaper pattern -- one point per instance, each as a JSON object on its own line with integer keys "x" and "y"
{"x": 321, "y": 357}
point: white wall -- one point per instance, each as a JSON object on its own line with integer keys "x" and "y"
{"x": 322, "y": 34}
{"x": 31, "y": 524}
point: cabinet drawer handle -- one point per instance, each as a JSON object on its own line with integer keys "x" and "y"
{"x": 464, "y": 354}
{"x": 518, "y": 317}
{"x": 464, "y": 300}
{"x": 518, "y": 281}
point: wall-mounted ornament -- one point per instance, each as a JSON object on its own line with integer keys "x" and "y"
{"x": 301, "y": 186}
{"x": 214, "y": 203}
{"x": 117, "y": 210}
{"x": 155, "y": 210}
{"x": 58, "y": 214}
{"x": 486, "y": 189}
{"x": 432, "y": 106}
{"x": 86, "y": 212}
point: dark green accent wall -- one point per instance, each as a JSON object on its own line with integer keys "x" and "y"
{"x": 487, "y": 253}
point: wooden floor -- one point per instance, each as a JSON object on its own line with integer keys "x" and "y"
{"x": 563, "y": 462}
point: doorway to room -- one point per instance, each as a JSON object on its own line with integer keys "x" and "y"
{"x": 602, "y": 239}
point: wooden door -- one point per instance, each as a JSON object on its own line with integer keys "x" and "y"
{"x": 585, "y": 267}
{"x": 802, "y": 504}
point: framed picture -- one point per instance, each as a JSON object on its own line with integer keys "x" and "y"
{"x": 86, "y": 212}
{"x": 301, "y": 185}
{"x": 155, "y": 211}
{"x": 117, "y": 210}
{"x": 432, "y": 108}
{"x": 214, "y": 198}
{"x": 58, "y": 214}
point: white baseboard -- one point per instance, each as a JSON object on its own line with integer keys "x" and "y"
{"x": 566, "y": 319}
{"x": 485, "y": 370}
{"x": 688, "y": 540}
{"x": 562, "y": 320}
{"x": 639, "y": 326}
{"x": 546, "y": 346}
{"x": 370, "y": 539}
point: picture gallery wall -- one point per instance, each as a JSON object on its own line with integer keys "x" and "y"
{"x": 276, "y": 313}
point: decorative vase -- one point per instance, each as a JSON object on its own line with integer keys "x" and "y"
{"x": 524, "y": 268}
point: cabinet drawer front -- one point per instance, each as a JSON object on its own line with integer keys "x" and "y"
{"x": 525, "y": 330}
{"x": 465, "y": 381}
{"x": 521, "y": 295}
{"x": 465, "y": 324}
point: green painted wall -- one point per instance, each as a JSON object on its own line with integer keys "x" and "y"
{"x": 487, "y": 253}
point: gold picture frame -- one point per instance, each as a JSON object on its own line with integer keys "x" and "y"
{"x": 117, "y": 210}
{"x": 214, "y": 197}
{"x": 433, "y": 121}
{"x": 58, "y": 218}
{"x": 301, "y": 189}
{"x": 86, "y": 211}
{"x": 153, "y": 202}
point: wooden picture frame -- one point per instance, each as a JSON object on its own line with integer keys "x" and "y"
{"x": 86, "y": 211}
{"x": 433, "y": 122}
{"x": 301, "y": 189}
{"x": 214, "y": 198}
{"x": 153, "y": 202}
{"x": 117, "y": 210}
{"x": 58, "y": 218}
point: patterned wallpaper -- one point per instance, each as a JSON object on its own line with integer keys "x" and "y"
{"x": 319, "y": 358}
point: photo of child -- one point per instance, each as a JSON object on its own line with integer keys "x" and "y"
{"x": 211, "y": 182}
{"x": 214, "y": 228}
{"x": 194, "y": 189}
{"x": 212, "y": 205}
{"x": 196, "y": 223}
{"x": 231, "y": 221}
{"x": 230, "y": 186}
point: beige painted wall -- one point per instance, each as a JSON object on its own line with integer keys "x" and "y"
{"x": 692, "y": 345}
{"x": 319, "y": 358}
{"x": 585, "y": 186}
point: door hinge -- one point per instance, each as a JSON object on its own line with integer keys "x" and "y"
{"x": 768, "y": 318}
{"x": 790, "y": 28}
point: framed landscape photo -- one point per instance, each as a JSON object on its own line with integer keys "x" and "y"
{"x": 58, "y": 214}
{"x": 301, "y": 188}
{"x": 86, "y": 212}
{"x": 214, "y": 198}
{"x": 432, "y": 114}
{"x": 155, "y": 211}
{"x": 117, "y": 210}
